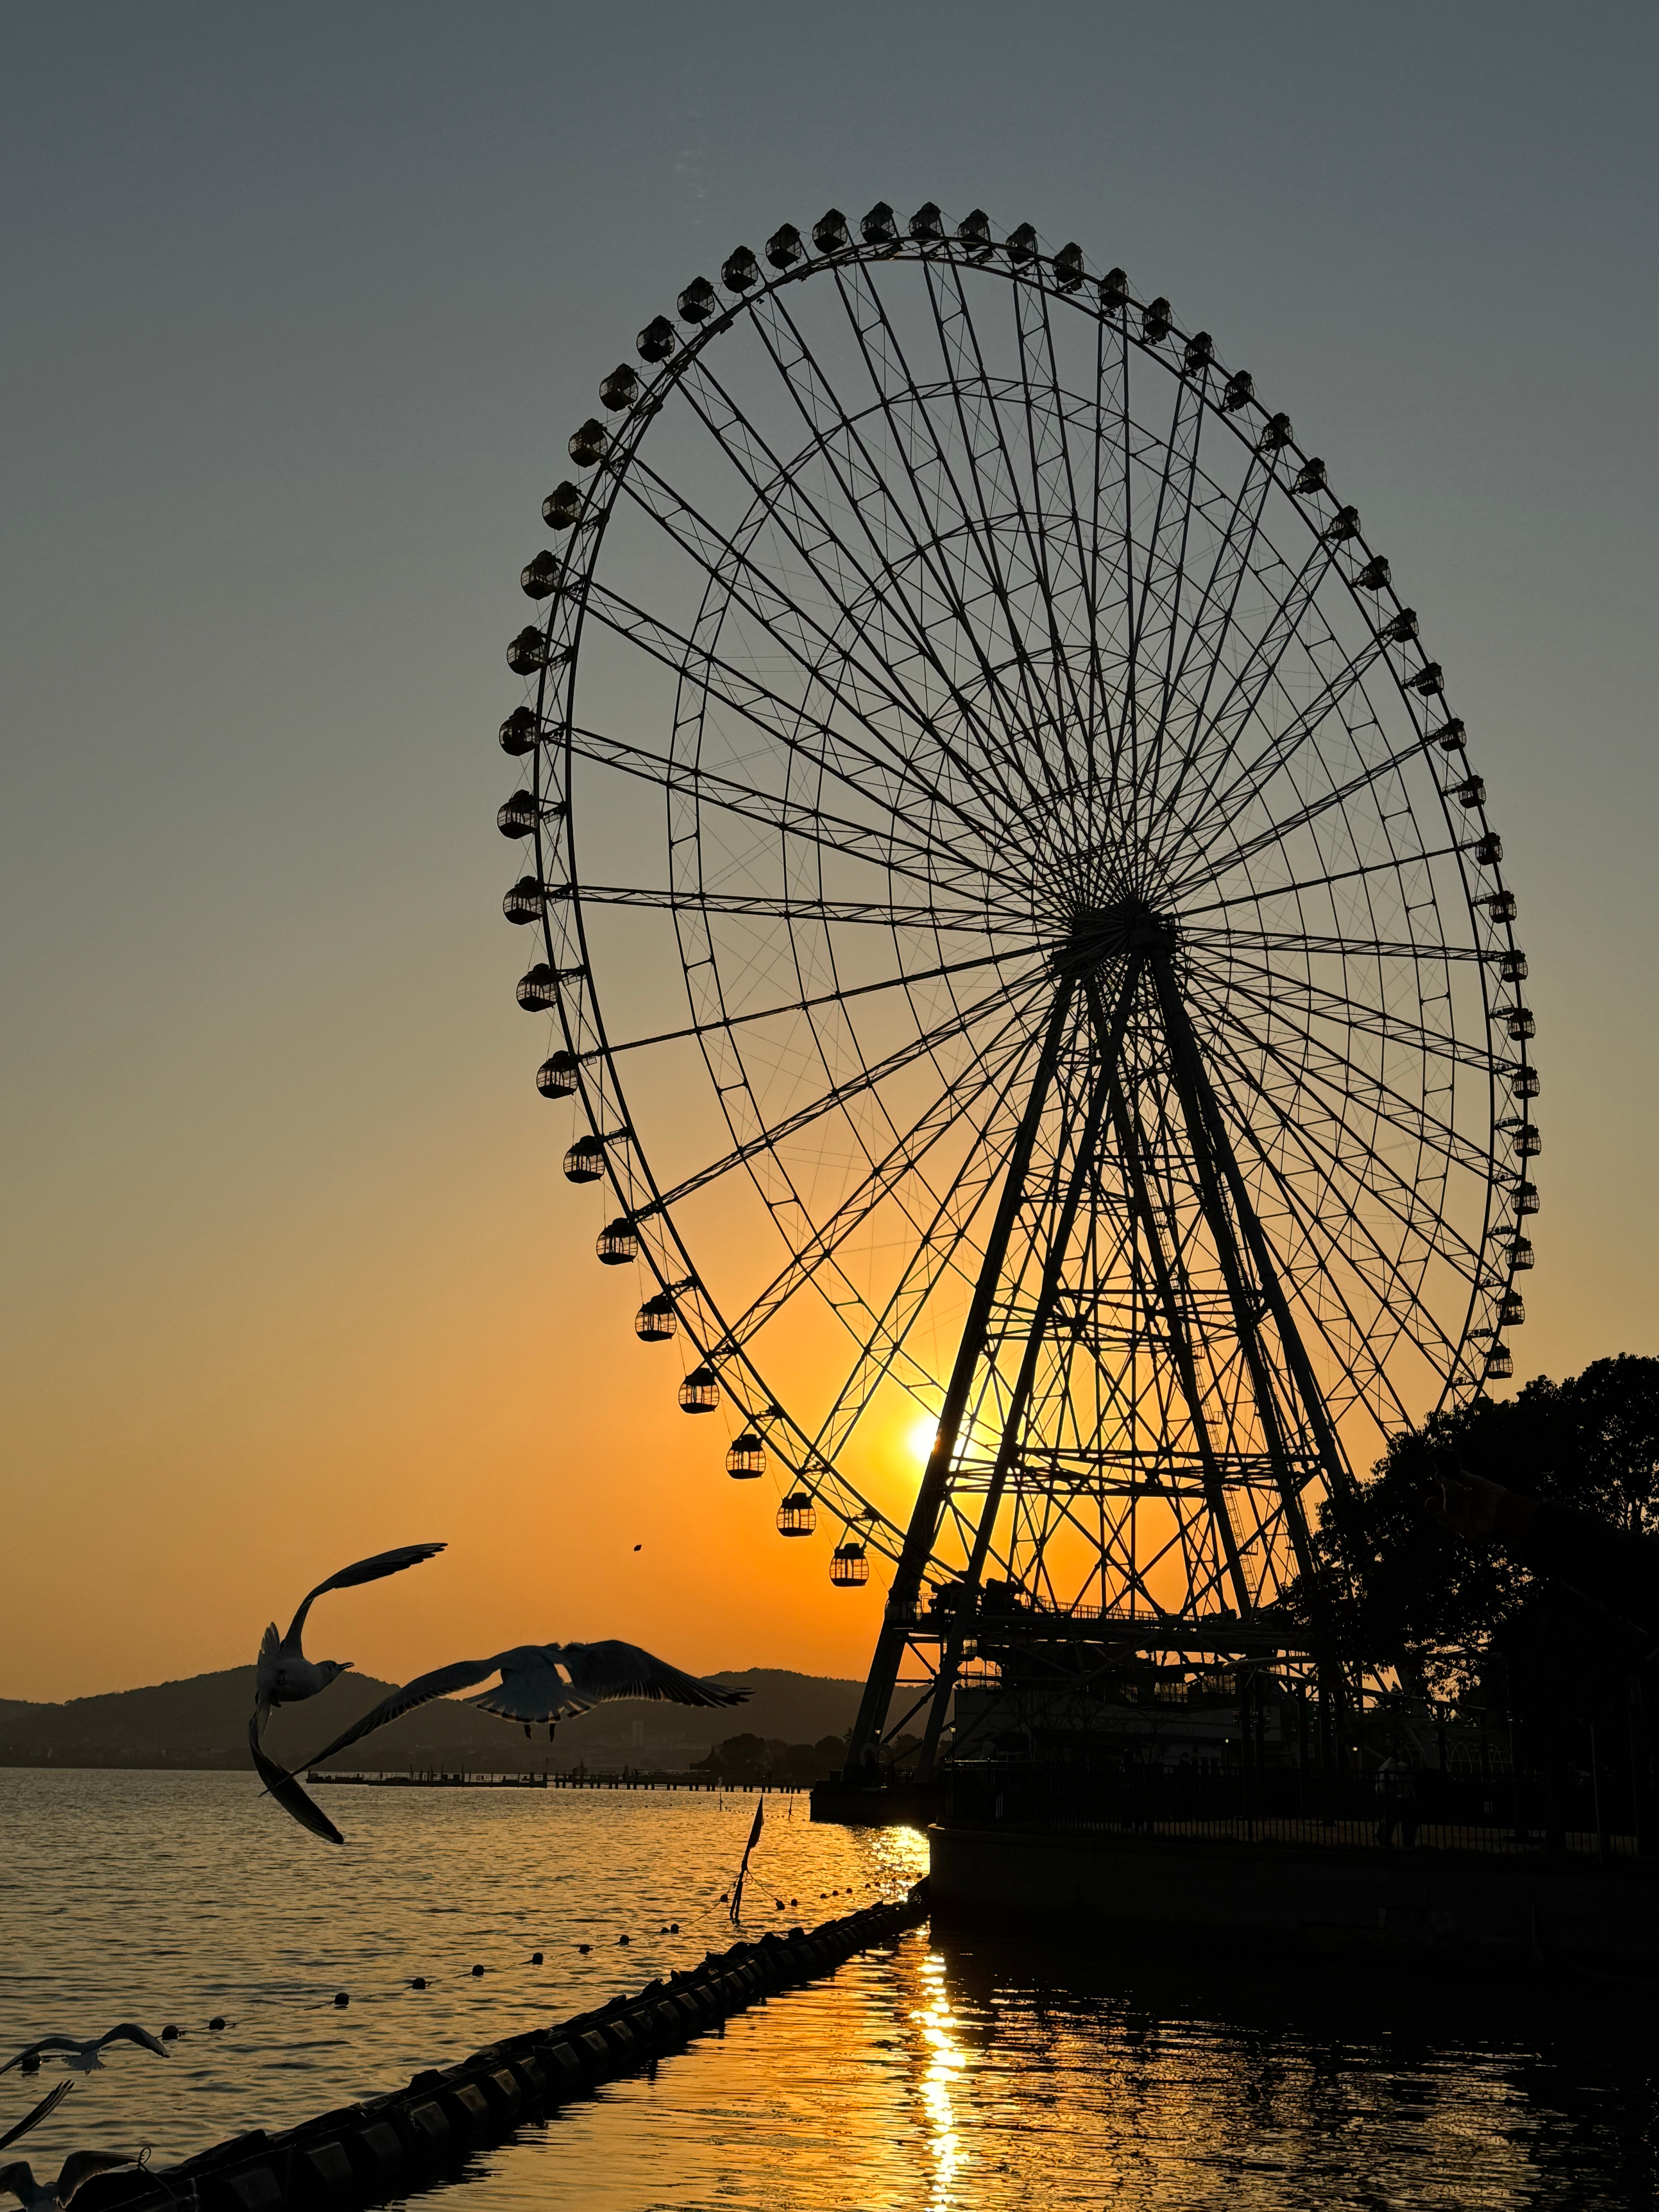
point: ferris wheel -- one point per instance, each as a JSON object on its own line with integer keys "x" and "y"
{"x": 1023, "y": 948}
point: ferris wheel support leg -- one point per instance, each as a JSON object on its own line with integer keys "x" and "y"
{"x": 1108, "y": 1032}
{"x": 1215, "y": 1156}
{"x": 1330, "y": 1452}
{"x": 1212, "y": 1157}
{"x": 1180, "y": 1345}
{"x": 925, "y": 1516}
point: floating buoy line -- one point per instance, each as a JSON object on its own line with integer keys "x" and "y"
{"x": 388, "y": 2145}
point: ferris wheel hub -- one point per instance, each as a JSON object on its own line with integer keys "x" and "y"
{"x": 1101, "y": 933}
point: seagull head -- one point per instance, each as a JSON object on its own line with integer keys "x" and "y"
{"x": 329, "y": 1668}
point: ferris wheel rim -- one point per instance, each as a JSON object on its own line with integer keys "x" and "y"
{"x": 671, "y": 374}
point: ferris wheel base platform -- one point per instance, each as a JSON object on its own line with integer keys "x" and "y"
{"x": 1529, "y": 1912}
{"x": 896, "y": 1805}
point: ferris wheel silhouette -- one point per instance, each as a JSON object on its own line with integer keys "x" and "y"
{"x": 1023, "y": 940}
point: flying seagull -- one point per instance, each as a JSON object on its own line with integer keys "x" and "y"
{"x": 539, "y": 1682}
{"x": 33, "y": 2118}
{"x": 18, "y": 2179}
{"x": 285, "y": 1676}
{"x": 82, "y": 2058}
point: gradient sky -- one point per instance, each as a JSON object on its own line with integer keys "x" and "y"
{"x": 301, "y": 304}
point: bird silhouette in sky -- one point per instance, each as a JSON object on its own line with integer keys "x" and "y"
{"x": 284, "y": 1676}
{"x": 539, "y": 1682}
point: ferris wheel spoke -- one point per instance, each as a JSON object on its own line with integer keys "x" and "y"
{"x": 1215, "y": 615}
{"x": 979, "y": 419}
{"x": 1299, "y": 942}
{"x": 884, "y": 1353}
{"x": 1218, "y": 732}
{"x": 882, "y": 776}
{"x": 941, "y": 1116}
{"x": 1230, "y": 806}
{"x": 860, "y": 689}
{"x": 1320, "y": 1002}
{"x": 884, "y": 1349}
{"x": 1234, "y": 805}
{"x": 839, "y": 1096}
{"x": 891, "y": 377}
{"x": 1053, "y": 471}
{"x": 879, "y": 912}
{"x": 1337, "y": 1080}
{"x": 896, "y": 852}
{"x": 1048, "y": 461}
{"x": 1442, "y": 1243}
{"x": 825, "y": 998}
{"x": 1214, "y": 622}
{"x": 1210, "y": 868}
{"x": 831, "y": 425}
{"x": 1342, "y": 1081}
{"x": 1162, "y": 575}
{"x": 784, "y": 498}
{"x": 1112, "y": 525}
{"x": 1367, "y": 869}
{"x": 973, "y": 404}
{"x": 1400, "y": 1301}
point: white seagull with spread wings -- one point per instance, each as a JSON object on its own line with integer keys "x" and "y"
{"x": 82, "y": 2057}
{"x": 539, "y": 1682}
{"x": 284, "y": 1676}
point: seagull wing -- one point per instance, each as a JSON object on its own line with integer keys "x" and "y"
{"x": 17, "y": 2180}
{"x": 531, "y": 1687}
{"x": 600, "y": 1672}
{"x": 264, "y": 1673}
{"x": 47, "y": 2104}
{"x": 363, "y": 1570}
{"x": 130, "y": 2031}
{"x": 80, "y": 2165}
{"x": 46, "y": 2043}
{"x": 287, "y": 1791}
{"x": 464, "y": 1674}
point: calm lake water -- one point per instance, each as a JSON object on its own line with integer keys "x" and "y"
{"x": 943, "y": 2075}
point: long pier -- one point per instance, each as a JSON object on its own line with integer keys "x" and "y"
{"x": 410, "y": 2138}
{"x": 436, "y": 1778}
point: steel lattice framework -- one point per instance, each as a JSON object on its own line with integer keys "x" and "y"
{"x": 1035, "y": 875}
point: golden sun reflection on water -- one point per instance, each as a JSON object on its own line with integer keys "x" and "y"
{"x": 943, "y": 2064}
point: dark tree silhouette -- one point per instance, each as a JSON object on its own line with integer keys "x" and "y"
{"x": 1453, "y": 1615}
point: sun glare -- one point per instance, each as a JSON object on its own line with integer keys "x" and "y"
{"x": 919, "y": 1439}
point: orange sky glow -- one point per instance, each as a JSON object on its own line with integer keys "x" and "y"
{"x": 292, "y": 1272}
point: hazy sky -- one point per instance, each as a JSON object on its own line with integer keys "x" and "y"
{"x": 301, "y": 304}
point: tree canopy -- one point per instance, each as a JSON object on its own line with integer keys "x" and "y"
{"x": 1453, "y": 1616}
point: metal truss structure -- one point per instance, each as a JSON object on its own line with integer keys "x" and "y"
{"x": 1059, "y": 985}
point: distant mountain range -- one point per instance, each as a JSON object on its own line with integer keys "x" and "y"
{"x": 202, "y": 1722}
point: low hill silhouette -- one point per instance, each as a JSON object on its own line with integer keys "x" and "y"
{"x": 202, "y": 1722}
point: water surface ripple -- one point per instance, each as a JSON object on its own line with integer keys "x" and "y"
{"x": 940, "y": 2075}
